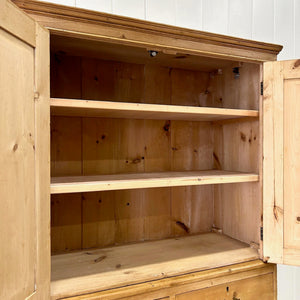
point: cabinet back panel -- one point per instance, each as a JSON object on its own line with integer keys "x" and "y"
{"x": 89, "y": 146}
{"x": 232, "y": 91}
{"x": 95, "y": 79}
{"x": 102, "y": 219}
{"x": 86, "y": 146}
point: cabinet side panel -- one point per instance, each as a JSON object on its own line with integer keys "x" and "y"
{"x": 237, "y": 207}
{"x": 66, "y": 152}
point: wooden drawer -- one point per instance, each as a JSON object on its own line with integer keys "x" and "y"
{"x": 259, "y": 287}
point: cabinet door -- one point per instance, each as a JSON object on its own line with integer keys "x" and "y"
{"x": 24, "y": 156}
{"x": 281, "y": 162}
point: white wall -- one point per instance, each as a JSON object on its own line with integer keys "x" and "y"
{"x": 271, "y": 21}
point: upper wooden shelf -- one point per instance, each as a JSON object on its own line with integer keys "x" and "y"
{"x": 89, "y": 108}
{"x": 78, "y": 184}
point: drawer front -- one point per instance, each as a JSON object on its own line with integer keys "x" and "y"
{"x": 259, "y": 287}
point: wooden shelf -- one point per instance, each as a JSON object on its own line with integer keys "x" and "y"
{"x": 100, "y": 269}
{"x": 88, "y": 108}
{"x": 76, "y": 184}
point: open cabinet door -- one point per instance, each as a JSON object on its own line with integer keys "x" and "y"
{"x": 24, "y": 157}
{"x": 281, "y": 164}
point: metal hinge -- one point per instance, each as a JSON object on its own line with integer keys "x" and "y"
{"x": 262, "y": 88}
{"x": 261, "y": 233}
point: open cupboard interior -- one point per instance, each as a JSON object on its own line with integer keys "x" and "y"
{"x": 153, "y": 159}
{"x": 172, "y": 152}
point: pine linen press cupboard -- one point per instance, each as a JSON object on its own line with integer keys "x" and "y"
{"x": 174, "y": 159}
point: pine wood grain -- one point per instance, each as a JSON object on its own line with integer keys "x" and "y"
{"x": 78, "y": 184}
{"x": 21, "y": 173}
{"x": 248, "y": 289}
{"x": 88, "y": 108}
{"x": 112, "y": 267}
{"x": 42, "y": 162}
{"x": 66, "y": 160}
{"x": 97, "y": 26}
{"x": 13, "y": 20}
{"x": 273, "y": 213}
{"x": 172, "y": 286}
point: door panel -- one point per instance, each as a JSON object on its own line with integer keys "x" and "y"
{"x": 20, "y": 200}
{"x": 291, "y": 163}
{"x": 17, "y": 213}
{"x": 281, "y": 164}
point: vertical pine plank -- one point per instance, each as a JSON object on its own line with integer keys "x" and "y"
{"x": 66, "y": 155}
{"x": 291, "y": 165}
{"x": 42, "y": 162}
{"x": 129, "y": 212}
{"x": 65, "y": 82}
{"x": 98, "y": 215}
{"x": 273, "y": 162}
{"x": 65, "y": 78}
{"x": 65, "y": 222}
{"x": 157, "y": 133}
{"x": 191, "y": 144}
{"x": 98, "y": 79}
{"x": 100, "y": 137}
{"x": 238, "y": 206}
{"x": 18, "y": 213}
{"x": 113, "y": 146}
{"x": 190, "y": 88}
{"x": 157, "y": 88}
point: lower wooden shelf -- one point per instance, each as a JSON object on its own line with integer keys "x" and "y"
{"x": 77, "y": 184}
{"x": 100, "y": 269}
